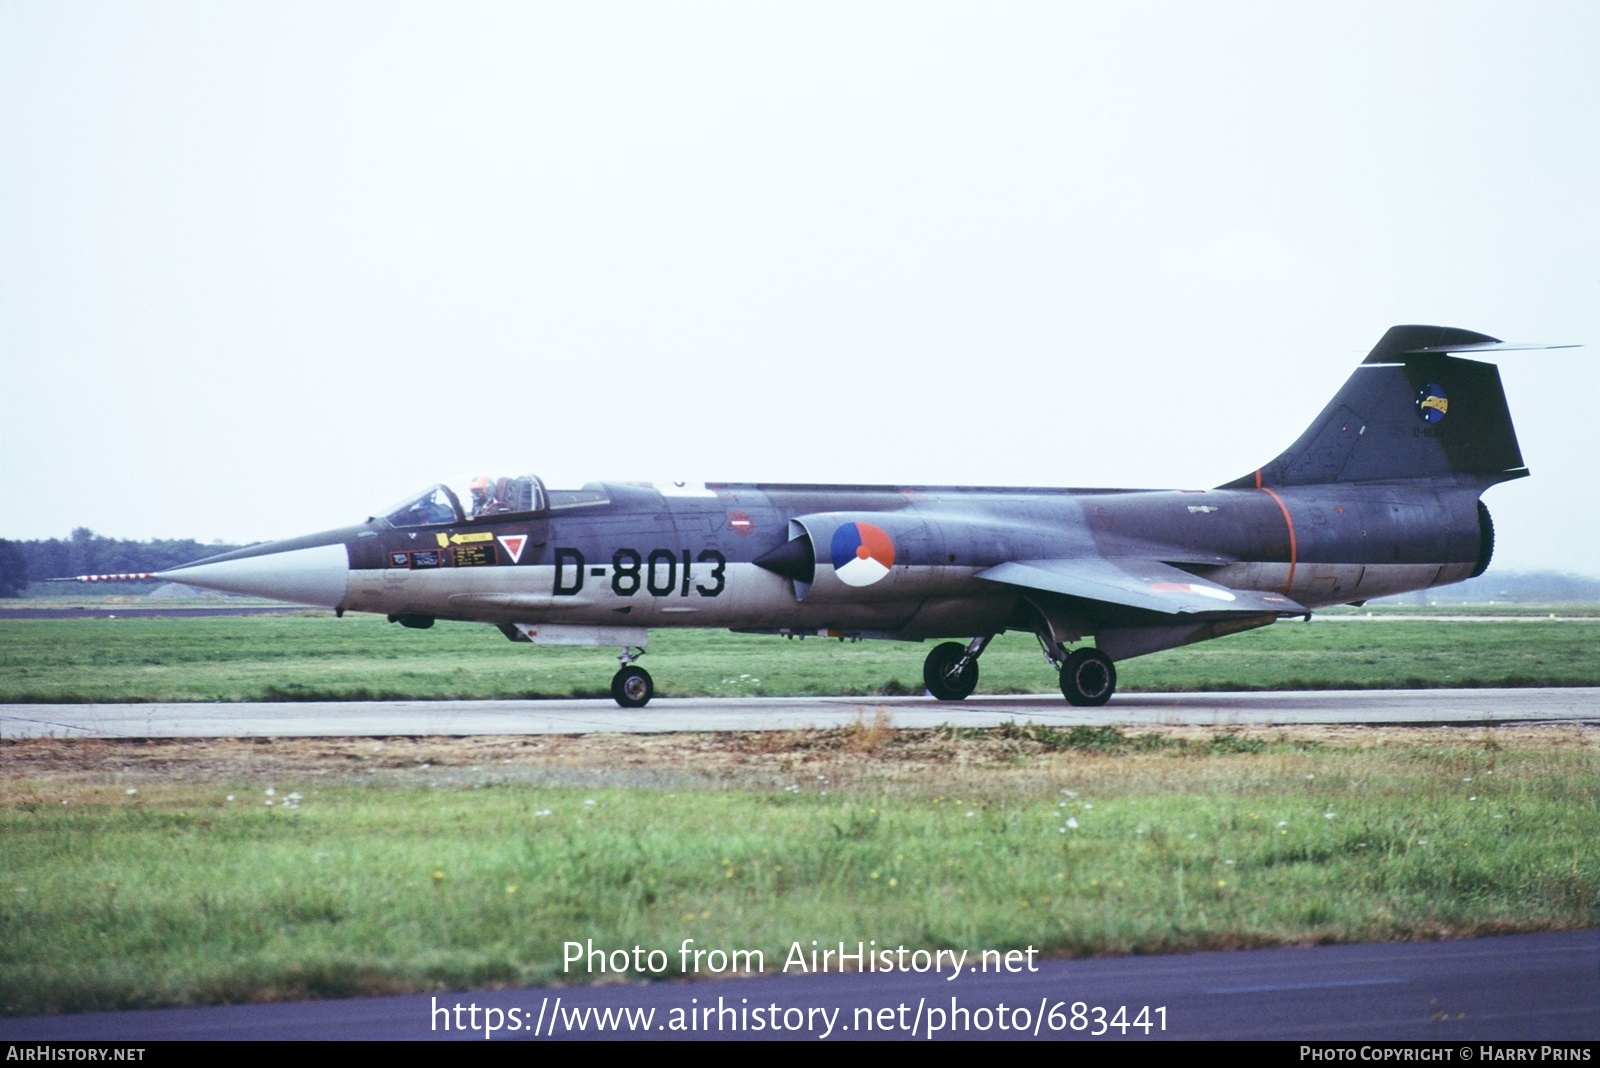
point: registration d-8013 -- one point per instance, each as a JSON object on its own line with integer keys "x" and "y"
{"x": 651, "y": 572}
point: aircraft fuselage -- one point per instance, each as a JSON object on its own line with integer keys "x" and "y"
{"x": 1380, "y": 495}
{"x": 632, "y": 556}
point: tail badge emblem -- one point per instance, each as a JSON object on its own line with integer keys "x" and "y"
{"x": 1432, "y": 404}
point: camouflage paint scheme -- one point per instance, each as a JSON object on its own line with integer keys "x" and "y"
{"x": 1380, "y": 495}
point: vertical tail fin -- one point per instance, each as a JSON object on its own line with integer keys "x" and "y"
{"x": 1411, "y": 410}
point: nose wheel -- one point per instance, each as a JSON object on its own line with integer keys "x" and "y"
{"x": 632, "y": 687}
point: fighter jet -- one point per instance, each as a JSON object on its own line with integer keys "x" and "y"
{"x": 1379, "y": 496}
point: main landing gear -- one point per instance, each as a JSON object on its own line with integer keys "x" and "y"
{"x": 951, "y": 670}
{"x": 1088, "y": 677}
{"x": 632, "y": 686}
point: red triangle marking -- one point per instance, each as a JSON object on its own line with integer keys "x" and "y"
{"x": 514, "y": 544}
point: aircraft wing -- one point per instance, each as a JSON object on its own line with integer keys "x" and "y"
{"x": 1137, "y": 583}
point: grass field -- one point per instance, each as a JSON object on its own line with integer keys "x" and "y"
{"x": 318, "y": 657}
{"x": 182, "y": 872}
{"x": 179, "y": 873}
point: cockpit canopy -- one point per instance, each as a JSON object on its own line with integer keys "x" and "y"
{"x": 462, "y": 500}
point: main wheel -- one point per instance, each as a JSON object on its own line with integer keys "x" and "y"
{"x": 632, "y": 687}
{"x": 938, "y": 672}
{"x": 1088, "y": 678}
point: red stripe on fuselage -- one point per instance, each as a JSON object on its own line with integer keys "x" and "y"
{"x": 1289, "y": 522}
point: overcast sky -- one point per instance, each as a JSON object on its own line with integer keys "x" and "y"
{"x": 267, "y": 267}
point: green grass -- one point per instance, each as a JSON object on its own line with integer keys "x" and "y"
{"x": 317, "y": 657}
{"x": 1073, "y": 842}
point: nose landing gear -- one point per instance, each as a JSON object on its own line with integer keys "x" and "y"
{"x": 632, "y": 686}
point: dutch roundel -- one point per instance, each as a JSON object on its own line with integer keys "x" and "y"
{"x": 862, "y": 554}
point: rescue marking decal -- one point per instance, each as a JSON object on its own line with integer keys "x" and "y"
{"x": 862, "y": 554}
{"x": 475, "y": 556}
{"x": 446, "y": 540}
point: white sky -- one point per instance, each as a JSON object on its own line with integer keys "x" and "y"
{"x": 267, "y": 267}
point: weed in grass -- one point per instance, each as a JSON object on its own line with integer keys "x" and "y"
{"x": 1234, "y": 742}
{"x": 864, "y": 737}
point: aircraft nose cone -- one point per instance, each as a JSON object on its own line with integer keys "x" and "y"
{"x": 318, "y": 576}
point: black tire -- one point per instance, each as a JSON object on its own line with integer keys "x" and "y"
{"x": 936, "y": 674}
{"x": 632, "y": 687}
{"x": 1088, "y": 678}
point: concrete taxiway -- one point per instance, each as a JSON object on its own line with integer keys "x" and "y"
{"x": 1574, "y": 705}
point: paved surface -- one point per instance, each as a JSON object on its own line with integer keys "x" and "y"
{"x": 1525, "y": 988}
{"x": 1579, "y": 705}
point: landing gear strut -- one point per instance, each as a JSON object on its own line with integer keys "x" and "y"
{"x": 951, "y": 670}
{"x": 1088, "y": 677}
{"x": 632, "y": 686}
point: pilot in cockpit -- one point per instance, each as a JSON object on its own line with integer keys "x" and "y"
{"x": 481, "y": 499}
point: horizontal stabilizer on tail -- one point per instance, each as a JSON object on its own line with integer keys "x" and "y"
{"x": 1403, "y": 341}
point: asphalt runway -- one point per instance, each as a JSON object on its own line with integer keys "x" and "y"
{"x": 1524, "y": 988}
{"x": 1574, "y": 705}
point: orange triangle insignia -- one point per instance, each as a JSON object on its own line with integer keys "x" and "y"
{"x": 514, "y": 544}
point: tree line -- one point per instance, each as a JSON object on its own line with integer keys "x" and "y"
{"x": 86, "y": 553}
